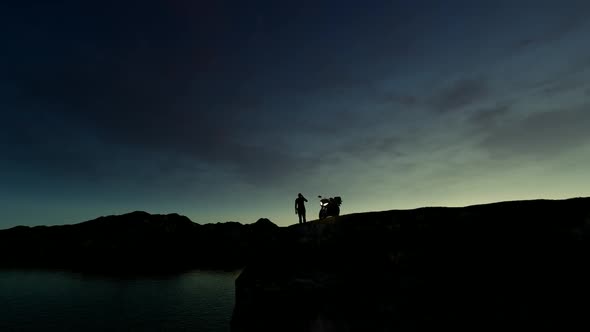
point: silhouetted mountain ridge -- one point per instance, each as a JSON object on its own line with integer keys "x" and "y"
{"x": 134, "y": 241}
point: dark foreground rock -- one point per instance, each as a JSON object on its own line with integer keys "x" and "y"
{"x": 497, "y": 266}
{"x": 135, "y": 242}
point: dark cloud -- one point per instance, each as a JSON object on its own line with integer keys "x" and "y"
{"x": 370, "y": 147}
{"x": 572, "y": 77}
{"x": 78, "y": 134}
{"x": 540, "y": 135}
{"x": 149, "y": 98}
{"x": 564, "y": 86}
{"x": 490, "y": 117}
{"x": 142, "y": 157}
{"x": 173, "y": 94}
{"x": 554, "y": 28}
{"x": 460, "y": 93}
{"x": 403, "y": 100}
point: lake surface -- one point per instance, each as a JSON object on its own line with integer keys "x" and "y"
{"x": 64, "y": 301}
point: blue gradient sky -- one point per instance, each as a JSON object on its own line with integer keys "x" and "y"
{"x": 225, "y": 110}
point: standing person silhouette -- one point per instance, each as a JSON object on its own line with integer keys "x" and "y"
{"x": 300, "y": 208}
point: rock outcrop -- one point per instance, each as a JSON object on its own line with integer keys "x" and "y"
{"x": 505, "y": 265}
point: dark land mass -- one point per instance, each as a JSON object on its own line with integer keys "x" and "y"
{"x": 506, "y": 265}
{"x": 137, "y": 242}
{"x": 499, "y": 266}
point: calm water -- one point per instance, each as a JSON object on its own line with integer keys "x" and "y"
{"x": 63, "y": 301}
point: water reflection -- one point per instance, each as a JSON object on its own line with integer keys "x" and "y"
{"x": 62, "y": 301}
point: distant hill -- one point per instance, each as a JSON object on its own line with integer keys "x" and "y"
{"x": 137, "y": 241}
{"x": 521, "y": 264}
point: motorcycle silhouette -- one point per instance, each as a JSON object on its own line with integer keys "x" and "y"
{"x": 329, "y": 207}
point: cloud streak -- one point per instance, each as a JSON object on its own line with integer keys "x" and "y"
{"x": 541, "y": 135}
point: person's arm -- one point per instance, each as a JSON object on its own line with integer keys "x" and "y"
{"x": 295, "y": 206}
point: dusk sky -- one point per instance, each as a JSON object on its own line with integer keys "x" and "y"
{"x": 225, "y": 110}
